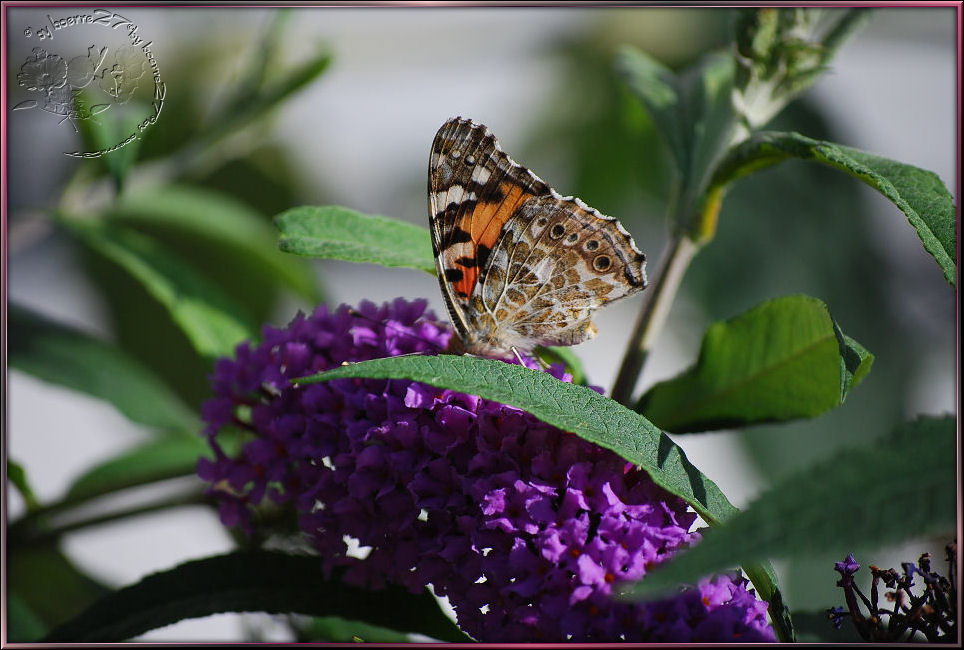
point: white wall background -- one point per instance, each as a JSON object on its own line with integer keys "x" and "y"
{"x": 399, "y": 73}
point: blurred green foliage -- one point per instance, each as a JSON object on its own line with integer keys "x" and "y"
{"x": 793, "y": 228}
{"x": 196, "y": 196}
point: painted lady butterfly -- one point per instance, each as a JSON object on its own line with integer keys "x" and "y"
{"x": 519, "y": 265}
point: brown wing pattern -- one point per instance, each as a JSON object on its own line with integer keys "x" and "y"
{"x": 558, "y": 261}
{"x": 474, "y": 189}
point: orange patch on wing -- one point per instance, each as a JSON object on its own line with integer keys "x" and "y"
{"x": 465, "y": 285}
{"x": 489, "y": 218}
{"x": 485, "y": 224}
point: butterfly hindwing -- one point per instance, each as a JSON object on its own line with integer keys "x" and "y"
{"x": 558, "y": 261}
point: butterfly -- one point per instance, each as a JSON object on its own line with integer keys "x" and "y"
{"x": 519, "y": 265}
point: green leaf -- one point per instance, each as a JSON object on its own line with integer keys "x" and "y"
{"x": 18, "y": 477}
{"x": 656, "y": 86}
{"x": 249, "y": 106}
{"x": 577, "y": 409}
{"x": 23, "y": 625}
{"x": 710, "y": 116}
{"x": 340, "y": 233}
{"x": 783, "y": 359}
{"x": 221, "y": 222}
{"x": 247, "y": 581}
{"x": 212, "y": 323}
{"x": 855, "y": 362}
{"x": 905, "y": 486}
{"x": 918, "y": 193}
{"x": 70, "y": 358}
{"x": 584, "y": 412}
{"x": 285, "y": 85}
{"x": 264, "y": 57}
{"x": 166, "y": 457}
{"x": 694, "y": 113}
{"x": 48, "y": 584}
{"x": 113, "y": 132}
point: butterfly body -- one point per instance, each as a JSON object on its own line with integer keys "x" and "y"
{"x": 518, "y": 264}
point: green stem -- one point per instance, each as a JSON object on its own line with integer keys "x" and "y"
{"x": 71, "y": 502}
{"x": 30, "y": 531}
{"x": 676, "y": 258}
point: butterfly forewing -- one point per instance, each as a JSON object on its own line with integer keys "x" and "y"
{"x": 474, "y": 188}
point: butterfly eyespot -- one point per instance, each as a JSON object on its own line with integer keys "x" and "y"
{"x": 601, "y": 262}
{"x": 541, "y": 222}
{"x": 470, "y": 160}
{"x": 557, "y": 231}
{"x": 573, "y": 237}
{"x": 592, "y": 245}
{"x": 456, "y": 154}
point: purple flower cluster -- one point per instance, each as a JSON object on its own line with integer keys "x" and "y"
{"x": 524, "y": 527}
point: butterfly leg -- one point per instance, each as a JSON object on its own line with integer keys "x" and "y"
{"x": 518, "y": 356}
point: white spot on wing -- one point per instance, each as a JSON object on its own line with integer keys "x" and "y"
{"x": 463, "y": 249}
{"x": 454, "y": 194}
{"x": 481, "y": 175}
{"x": 543, "y": 270}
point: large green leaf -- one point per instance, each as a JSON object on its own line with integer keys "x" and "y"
{"x": 904, "y": 486}
{"x": 783, "y": 359}
{"x": 918, "y": 193}
{"x": 220, "y": 221}
{"x": 212, "y": 322}
{"x": 343, "y": 234}
{"x": 70, "y": 358}
{"x": 584, "y": 412}
{"x": 246, "y": 581}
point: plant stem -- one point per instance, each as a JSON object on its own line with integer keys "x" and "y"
{"x": 677, "y": 254}
{"x": 23, "y": 533}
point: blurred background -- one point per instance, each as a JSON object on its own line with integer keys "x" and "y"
{"x": 359, "y": 136}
